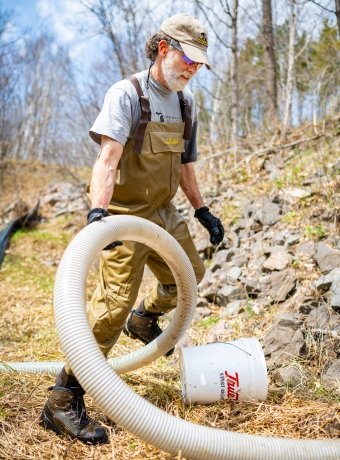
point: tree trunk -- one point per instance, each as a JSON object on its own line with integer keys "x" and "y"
{"x": 337, "y": 12}
{"x": 290, "y": 68}
{"x": 234, "y": 77}
{"x": 270, "y": 63}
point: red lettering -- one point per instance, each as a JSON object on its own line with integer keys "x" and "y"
{"x": 231, "y": 377}
{"x": 232, "y": 385}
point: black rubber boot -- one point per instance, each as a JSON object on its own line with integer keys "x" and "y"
{"x": 65, "y": 413}
{"x": 143, "y": 325}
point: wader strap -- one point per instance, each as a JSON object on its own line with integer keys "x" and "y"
{"x": 186, "y": 116}
{"x": 145, "y": 115}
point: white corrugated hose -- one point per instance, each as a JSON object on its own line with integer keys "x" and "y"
{"x": 111, "y": 394}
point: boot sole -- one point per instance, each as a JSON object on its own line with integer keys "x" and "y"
{"x": 137, "y": 337}
{"x": 46, "y": 423}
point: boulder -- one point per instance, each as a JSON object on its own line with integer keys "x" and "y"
{"x": 253, "y": 287}
{"x": 267, "y": 213}
{"x": 318, "y": 319}
{"x": 234, "y": 273}
{"x": 324, "y": 283}
{"x": 278, "y": 260}
{"x": 327, "y": 258}
{"x": 233, "y": 308}
{"x": 332, "y": 375}
{"x": 228, "y": 293}
{"x": 290, "y": 376}
{"x": 306, "y": 249}
{"x": 281, "y": 284}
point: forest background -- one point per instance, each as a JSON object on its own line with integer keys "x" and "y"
{"x": 275, "y": 65}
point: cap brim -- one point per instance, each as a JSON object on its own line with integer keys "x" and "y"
{"x": 196, "y": 54}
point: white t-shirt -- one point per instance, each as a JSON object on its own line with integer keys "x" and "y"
{"x": 120, "y": 114}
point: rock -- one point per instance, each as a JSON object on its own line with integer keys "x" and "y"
{"x": 281, "y": 284}
{"x": 335, "y": 290}
{"x": 318, "y": 318}
{"x": 278, "y": 260}
{"x": 240, "y": 259}
{"x": 308, "y": 305}
{"x": 283, "y": 344}
{"x": 253, "y": 287}
{"x": 221, "y": 256}
{"x": 277, "y": 339}
{"x": 286, "y": 238}
{"x": 203, "y": 245}
{"x": 332, "y": 375}
{"x": 306, "y": 249}
{"x": 234, "y": 273}
{"x": 202, "y": 302}
{"x": 228, "y": 293}
{"x": 292, "y": 239}
{"x": 267, "y": 213}
{"x": 335, "y": 302}
{"x": 203, "y": 311}
{"x": 327, "y": 258}
{"x": 296, "y": 347}
{"x": 271, "y": 168}
{"x": 295, "y": 194}
{"x": 207, "y": 281}
{"x": 219, "y": 332}
{"x": 290, "y": 376}
{"x": 233, "y": 308}
{"x": 63, "y": 198}
{"x": 324, "y": 283}
{"x": 333, "y": 429}
{"x": 291, "y": 320}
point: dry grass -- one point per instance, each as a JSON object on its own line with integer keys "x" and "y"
{"x": 28, "y": 334}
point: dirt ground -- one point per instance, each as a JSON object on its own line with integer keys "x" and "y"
{"x": 308, "y": 411}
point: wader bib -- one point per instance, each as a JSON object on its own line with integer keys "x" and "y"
{"x": 147, "y": 179}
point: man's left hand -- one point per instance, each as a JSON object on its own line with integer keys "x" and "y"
{"x": 211, "y": 223}
{"x": 97, "y": 214}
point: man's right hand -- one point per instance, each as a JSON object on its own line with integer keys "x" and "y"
{"x": 97, "y": 214}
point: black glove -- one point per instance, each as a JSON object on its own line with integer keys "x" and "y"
{"x": 211, "y": 223}
{"x": 97, "y": 214}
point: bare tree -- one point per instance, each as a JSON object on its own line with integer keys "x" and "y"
{"x": 269, "y": 62}
{"x": 224, "y": 20}
{"x": 290, "y": 68}
{"x": 10, "y": 65}
{"x": 337, "y": 12}
{"x": 121, "y": 22}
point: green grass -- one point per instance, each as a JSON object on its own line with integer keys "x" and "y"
{"x": 28, "y": 272}
{"x": 40, "y": 235}
{"x": 208, "y": 322}
{"x": 315, "y": 232}
{"x": 290, "y": 217}
{"x": 3, "y": 413}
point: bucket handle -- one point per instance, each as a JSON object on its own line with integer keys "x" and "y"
{"x": 231, "y": 344}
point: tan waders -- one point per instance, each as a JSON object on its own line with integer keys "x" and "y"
{"x": 147, "y": 180}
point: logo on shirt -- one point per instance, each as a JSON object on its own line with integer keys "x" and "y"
{"x": 161, "y": 118}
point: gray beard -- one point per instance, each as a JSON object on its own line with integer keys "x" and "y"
{"x": 171, "y": 76}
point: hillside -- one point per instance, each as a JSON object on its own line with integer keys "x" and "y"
{"x": 276, "y": 277}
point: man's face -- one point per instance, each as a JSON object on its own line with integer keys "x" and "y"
{"x": 175, "y": 71}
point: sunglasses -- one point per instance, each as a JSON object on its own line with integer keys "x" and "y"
{"x": 185, "y": 58}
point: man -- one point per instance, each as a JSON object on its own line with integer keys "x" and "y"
{"x": 147, "y": 132}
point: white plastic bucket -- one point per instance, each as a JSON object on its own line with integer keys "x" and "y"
{"x": 216, "y": 371}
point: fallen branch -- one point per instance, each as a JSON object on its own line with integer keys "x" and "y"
{"x": 263, "y": 152}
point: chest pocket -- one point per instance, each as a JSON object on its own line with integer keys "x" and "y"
{"x": 162, "y": 142}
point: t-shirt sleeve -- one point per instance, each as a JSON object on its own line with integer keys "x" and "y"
{"x": 190, "y": 153}
{"x": 115, "y": 117}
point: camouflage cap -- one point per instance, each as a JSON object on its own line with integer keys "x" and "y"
{"x": 191, "y": 34}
